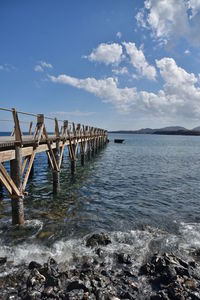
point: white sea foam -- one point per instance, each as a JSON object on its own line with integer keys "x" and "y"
{"x": 138, "y": 243}
{"x": 190, "y": 233}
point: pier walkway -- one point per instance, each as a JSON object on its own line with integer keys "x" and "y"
{"x": 20, "y": 150}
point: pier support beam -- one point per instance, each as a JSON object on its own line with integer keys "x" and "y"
{"x": 56, "y": 174}
{"x": 1, "y": 191}
{"x": 16, "y": 175}
{"x": 82, "y": 159}
{"x": 89, "y": 153}
{"x": 31, "y": 171}
{"x": 73, "y": 167}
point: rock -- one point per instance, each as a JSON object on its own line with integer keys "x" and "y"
{"x": 34, "y": 265}
{"x": 164, "y": 276}
{"x": 48, "y": 291}
{"x": 99, "y": 252}
{"x": 124, "y": 258}
{"x": 75, "y": 295}
{"x": 191, "y": 284}
{"x": 77, "y": 285}
{"x": 98, "y": 239}
{"x": 3, "y": 260}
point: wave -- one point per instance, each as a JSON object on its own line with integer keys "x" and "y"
{"x": 139, "y": 243}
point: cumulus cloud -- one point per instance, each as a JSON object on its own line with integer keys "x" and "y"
{"x": 139, "y": 61}
{"x": 107, "y": 54}
{"x": 120, "y": 71}
{"x": 42, "y": 66}
{"x": 180, "y": 94}
{"x": 170, "y": 19}
{"x": 194, "y": 5}
{"x": 106, "y": 89}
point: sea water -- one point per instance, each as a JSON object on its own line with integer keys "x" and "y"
{"x": 145, "y": 193}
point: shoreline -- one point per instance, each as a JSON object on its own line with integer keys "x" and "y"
{"x": 160, "y": 276}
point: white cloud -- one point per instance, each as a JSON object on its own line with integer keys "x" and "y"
{"x": 7, "y": 67}
{"x": 46, "y": 65}
{"x": 170, "y": 19}
{"x": 180, "y": 95}
{"x": 119, "y": 34}
{"x": 194, "y": 5}
{"x": 139, "y": 61}
{"x": 187, "y": 51}
{"x": 38, "y": 68}
{"x": 107, "y": 54}
{"x": 42, "y": 66}
{"x": 105, "y": 89}
{"x": 120, "y": 71}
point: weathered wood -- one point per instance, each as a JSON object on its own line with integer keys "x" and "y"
{"x": 16, "y": 175}
{"x": 18, "y": 133}
{"x": 55, "y": 165}
{"x": 30, "y": 127}
{"x": 10, "y": 183}
{"x": 28, "y": 170}
{"x": 56, "y": 173}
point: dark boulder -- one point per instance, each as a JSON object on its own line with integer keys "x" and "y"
{"x": 3, "y": 260}
{"x": 98, "y": 239}
{"x": 124, "y": 258}
{"x": 34, "y": 265}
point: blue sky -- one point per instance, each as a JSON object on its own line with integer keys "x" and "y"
{"x": 115, "y": 64}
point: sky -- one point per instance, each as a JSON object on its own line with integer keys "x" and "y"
{"x": 114, "y": 64}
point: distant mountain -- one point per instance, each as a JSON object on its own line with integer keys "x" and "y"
{"x": 196, "y": 129}
{"x": 169, "y": 130}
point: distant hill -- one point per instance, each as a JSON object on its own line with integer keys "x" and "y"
{"x": 196, "y": 129}
{"x": 169, "y": 130}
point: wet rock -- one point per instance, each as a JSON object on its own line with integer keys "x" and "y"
{"x": 124, "y": 258}
{"x": 34, "y": 265}
{"x": 77, "y": 285}
{"x": 75, "y": 294}
{"x": 99, "y": 252}
{"x": 164, "y": 276}
{"x": 98, "y": 239}
{"x": 3, "y": 260}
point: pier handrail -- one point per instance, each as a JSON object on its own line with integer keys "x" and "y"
{"x": 35, "y": 115}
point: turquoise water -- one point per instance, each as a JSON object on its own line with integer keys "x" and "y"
{"x": 145, "y": 192}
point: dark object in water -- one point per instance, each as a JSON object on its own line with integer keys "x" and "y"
{"x": 119, "y": 141}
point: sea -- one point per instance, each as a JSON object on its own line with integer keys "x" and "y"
{"x": 145, "y": 193}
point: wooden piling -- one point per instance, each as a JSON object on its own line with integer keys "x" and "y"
{"x": 56, "y": 173}
{"x": 16, "y": 175}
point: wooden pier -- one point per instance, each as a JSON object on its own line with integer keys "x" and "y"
{"x": 20, "y": 150}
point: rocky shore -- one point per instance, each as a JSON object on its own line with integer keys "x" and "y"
{"x": 162, "y": 276}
